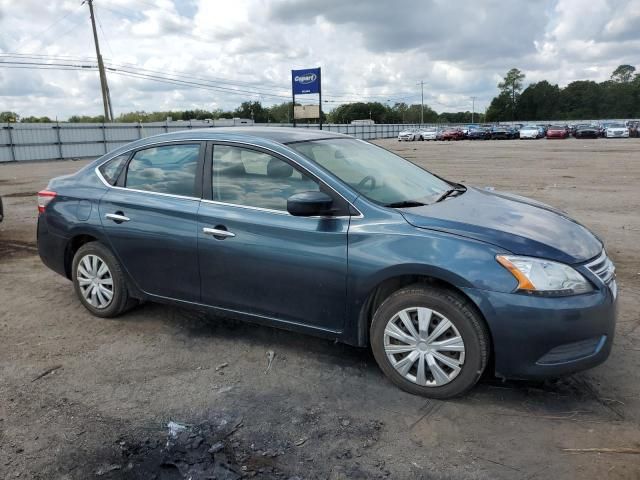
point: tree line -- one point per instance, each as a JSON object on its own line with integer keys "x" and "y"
{"x": 281, "y": 113}
{"x": 618, "y": 97}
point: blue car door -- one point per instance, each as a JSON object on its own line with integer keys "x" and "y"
{"x": 150, "y": 219}
{"x": 255, "y": 257}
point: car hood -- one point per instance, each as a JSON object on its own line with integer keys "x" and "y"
{"x": 518, "y": 224}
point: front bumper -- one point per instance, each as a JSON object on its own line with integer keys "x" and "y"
{"x": 617, "y": 134}
{"x": 540, "y": 337}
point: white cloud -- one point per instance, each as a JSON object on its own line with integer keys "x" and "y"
{"x": 369, "y": 50}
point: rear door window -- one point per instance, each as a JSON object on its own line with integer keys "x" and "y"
{"x": 167, "y": 169}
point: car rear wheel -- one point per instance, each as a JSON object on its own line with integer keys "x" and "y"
{"x": 430, "y": 341}
{"x": 99, "y": 282}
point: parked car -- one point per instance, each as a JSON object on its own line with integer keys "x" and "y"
{"x": 556, "y": 131}
{"x": 1, "y": 210}
{"x": 634, "y": 128}
{"x": 616, "y": 130}
{"x": 586, "y": 131}
{"x": 429, "y": 133}
{"x": 408, "y": 135}
{"x": 479, "y": 133}
{"x": 530, "y": 132}
{"x": 322, "y": 233}
{"x": 500, "y": 132}
{"x": 452, "y": 134}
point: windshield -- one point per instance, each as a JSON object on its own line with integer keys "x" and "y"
{"x": 374, "y": 172}
{"x": 616, "y": 125}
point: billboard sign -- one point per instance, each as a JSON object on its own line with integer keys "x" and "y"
{"x": 306, "y": 111}
{"x": 305, "y": 81}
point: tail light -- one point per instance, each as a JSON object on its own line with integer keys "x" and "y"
{"x": 44, "y": 197}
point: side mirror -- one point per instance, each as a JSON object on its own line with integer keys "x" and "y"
{"x": 309, "y": 204}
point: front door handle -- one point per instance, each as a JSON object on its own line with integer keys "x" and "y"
{"x": 117, "y": 217}
{"x": 218, "y": 232}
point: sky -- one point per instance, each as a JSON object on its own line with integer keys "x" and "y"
{"x": 370, "y": 50}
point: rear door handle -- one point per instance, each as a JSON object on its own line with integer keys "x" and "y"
{"x": 116, "y": 217}
{"x": 218, "y": 232}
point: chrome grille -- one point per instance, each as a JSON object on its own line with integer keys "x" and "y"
{"x": 603, "y": 267}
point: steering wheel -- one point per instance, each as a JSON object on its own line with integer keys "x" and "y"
{"x": 367, "y": 179}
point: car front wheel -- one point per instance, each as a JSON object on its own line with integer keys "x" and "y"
{"x": 430, "y": 341}
{"x": 99, "y": 281}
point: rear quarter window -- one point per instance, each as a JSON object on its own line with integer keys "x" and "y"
{"x": 111, "y": 170}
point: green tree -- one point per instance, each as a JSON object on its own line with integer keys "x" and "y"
{"x": 32, "y": 119}
{"x": 539, "y": 101}
{"x": 281, "y": 113}
{"x": 580, "y": 100}
{"x": 9, "y": 117}
{"x": 253, "y": 110}
{"x": 500, "y": 108}
{"x": 511, "y": 85}
{"x": 86, "y": 119}
{"x": 457, "y": 117}
{"x": 623, "y": 74}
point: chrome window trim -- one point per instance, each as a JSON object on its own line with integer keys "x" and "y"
{"x": 278, "y": 212}
{"x": 235, "y": 142}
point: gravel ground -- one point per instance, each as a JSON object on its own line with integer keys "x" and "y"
{"x": 82, "y": 397}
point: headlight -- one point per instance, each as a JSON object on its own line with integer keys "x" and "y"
{"x": 539, "y": 276}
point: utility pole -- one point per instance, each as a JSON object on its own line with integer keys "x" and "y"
{"x": 473, "y": 107}
{"x": 421, "y": 101}
{"x": 108, "y": 112}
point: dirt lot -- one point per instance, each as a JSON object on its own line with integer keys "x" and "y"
{"x": 322, "y": 410}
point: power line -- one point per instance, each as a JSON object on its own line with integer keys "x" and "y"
{"x": 43, "y": 57}
{"x": 104, "y": 36}
{"x": 45, "y": 64}
{"x": 332, "y": 98}
{"x": 77, "y": 69}
{"x": 41, "y": 34}
{"x": 80, "y": 63}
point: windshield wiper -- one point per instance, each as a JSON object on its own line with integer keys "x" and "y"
{"x": 459, "y": 190}
{"x": 405, "y": 204}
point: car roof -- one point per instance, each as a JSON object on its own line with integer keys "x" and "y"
{"x": 269, "y": 137}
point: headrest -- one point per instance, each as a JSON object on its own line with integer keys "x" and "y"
{"x": 279, "y": 169}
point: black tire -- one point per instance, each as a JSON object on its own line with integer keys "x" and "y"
{"x": 460, "y": 312}
{"x": 121, "y": 300}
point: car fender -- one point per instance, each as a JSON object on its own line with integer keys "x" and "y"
{"x": 414, "y": 254}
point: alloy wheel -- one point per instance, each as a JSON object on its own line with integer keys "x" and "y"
{"x": 95, "y": 281}
{"x": 424, "y": 346}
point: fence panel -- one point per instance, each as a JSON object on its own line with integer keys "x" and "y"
{"x": 43, "y": 141}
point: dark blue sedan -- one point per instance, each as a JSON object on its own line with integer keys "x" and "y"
{"x": 325, "y": 234}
